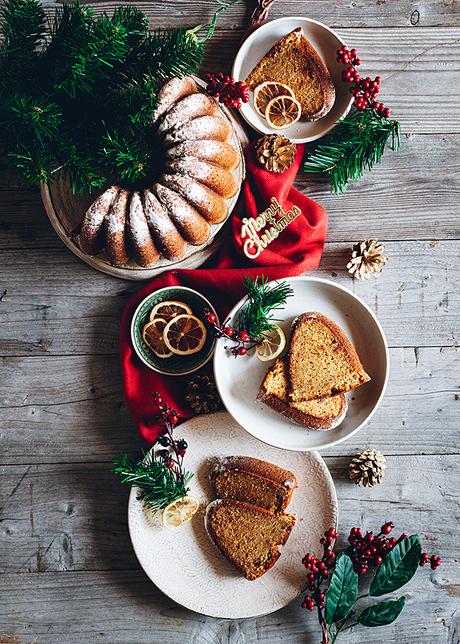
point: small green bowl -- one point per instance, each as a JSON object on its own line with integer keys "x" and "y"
{"x": 175, "y": 365}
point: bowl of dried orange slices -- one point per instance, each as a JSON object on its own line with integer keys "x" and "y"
{"x": 168, "y": 331}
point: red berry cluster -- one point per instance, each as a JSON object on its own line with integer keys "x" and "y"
{"x": 242, "y": 340}
{"x": 167, "y": 418}
{"x": 435, "y": 560}
{"x": 318, "y": 571}
{"x": 229, "y": 92}
{"x": 370, "y": 549}
{"x": 364, "y": 90}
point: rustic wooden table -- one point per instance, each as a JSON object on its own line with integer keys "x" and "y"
{"x": 69, "y": 572}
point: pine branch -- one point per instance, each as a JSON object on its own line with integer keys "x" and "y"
{"x": 355, "y": 145}
{"x": 256, "y": 315}
{"x": 159, "y": 484}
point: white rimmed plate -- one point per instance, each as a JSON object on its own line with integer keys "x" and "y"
{"x": 239, "y": 379}
{"x": 326, "y": 42}
{"x": 186, "y": 565}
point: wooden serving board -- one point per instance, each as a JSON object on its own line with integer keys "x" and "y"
{"x": 65, "y": 211}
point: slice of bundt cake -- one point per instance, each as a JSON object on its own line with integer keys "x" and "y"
{"x": 221, "y": 153}
{"x": 243, "y": 478}
{"x": 249, "y": 536}
{"x": 326, "y": 413}
{"x": 322, "y": 361}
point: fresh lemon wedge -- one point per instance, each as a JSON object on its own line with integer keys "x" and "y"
{"x": 272, "y": 345}
{"x": 179, "y": 512}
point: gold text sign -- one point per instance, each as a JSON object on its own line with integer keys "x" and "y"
{"x": 270, "y": 223}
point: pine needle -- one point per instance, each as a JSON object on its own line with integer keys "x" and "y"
{"x": 355, "y": 145}
{"x": 263, "y": 298}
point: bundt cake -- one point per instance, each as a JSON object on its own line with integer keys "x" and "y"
{"x": 194, "y": 180}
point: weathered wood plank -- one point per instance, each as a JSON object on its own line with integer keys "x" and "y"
{"x": 62, "y": 307}
{"x": 60, "y": 521}
{"x": 358, "y": 13}
{"x": 71, "y": 408}
{"x": 412, "y": 194}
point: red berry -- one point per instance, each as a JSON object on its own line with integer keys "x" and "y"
{"x": 173, "y": 419}
{"x": 211, "y": 318}
{"x": 387, "y": 112}
{"x": 378, "y": 560}
{"x": 363, "y": 570}
{"x": 244, "y": 336}
{"x": 354, "y": 53}
{"x": 242, "y": 351}
{"x": 181, "y": 452}
{"x": 228, "y": 330}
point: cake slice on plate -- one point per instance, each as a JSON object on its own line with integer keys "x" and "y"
{"x": 322, "y": 361}
{"x": 325, "y": 413}
{"x": 244, "y": 478}
{"x": 248, "y": 535}
{"x": 294, "y": 61}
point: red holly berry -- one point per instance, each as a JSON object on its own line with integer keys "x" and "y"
{"x": 435, "y": 562}
{"x": 243, "y": 335}
{"x": 242, "y": 351}
{"x": 211, "y": 318}
{"x": 228, "y": 330}
{"x": 387, "y": 527}
{"x": 173, "y": 419}
{"x": 229, "y": 92}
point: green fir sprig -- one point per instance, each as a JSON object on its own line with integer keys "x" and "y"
{"x": 78, "y": 90}
{"x": 159, "y": 484}
{"x": 256, "y": 316}
{"x": 354, "y": 146}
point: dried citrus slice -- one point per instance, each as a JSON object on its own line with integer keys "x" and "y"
{"x": 152, "y": 334}
{"x": 282, "y": 112}
{"x": 184, "y": 335}
{"x": 179, "y": 512}
{"x": 272, "y": 344}
{"x": 169, "y": 310}
{"x": 264, "y": 93}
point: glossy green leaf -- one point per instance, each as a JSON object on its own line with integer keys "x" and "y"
{"x": 382, "y": 613}
{"x": 398, "y": 567}
{"x": 342, "y": 591}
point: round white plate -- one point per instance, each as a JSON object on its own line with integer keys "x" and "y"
{"x": 185, "y": 564}
{"x": 326, "y": 42}
{"x": 238, "y": 379}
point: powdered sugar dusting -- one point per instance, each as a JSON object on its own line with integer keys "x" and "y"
{"x": 116, "y": 218}
{"x": 99, "y": 208}
{"x": 171, "y": 92}
{"x": 188, "y": 108}
{"x": 202, "y": 127}
{"x": 137, "y": 222}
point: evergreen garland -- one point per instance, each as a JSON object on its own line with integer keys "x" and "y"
{"x": 77, "y": 91}
{"x": 355, "y": 145}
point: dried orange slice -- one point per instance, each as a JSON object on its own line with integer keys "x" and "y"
{"x": 169, "y": 310}
{"x": 184, "y": 335}
{"x": 152, "y": 334}
{"x": 264, "y": 93}
{"x": 282, "y": 112}
{"x": 179, "y": 512}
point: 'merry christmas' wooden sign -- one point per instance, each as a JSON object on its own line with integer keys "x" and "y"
{"x": 271, "y": 221}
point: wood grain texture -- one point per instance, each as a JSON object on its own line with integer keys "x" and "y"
{"x": 77, "y": 412}
{"x": 74, "y": 577}
{"x": 69, "y": 573}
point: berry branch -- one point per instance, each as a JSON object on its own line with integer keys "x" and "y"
{"x": 336, "y": 605}
{"x": 227, "y": 90}
{"x": 241, "y": 339}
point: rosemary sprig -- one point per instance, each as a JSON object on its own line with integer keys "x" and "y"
{"x": 263, "y": 298}
{"x": 158, "y": 483}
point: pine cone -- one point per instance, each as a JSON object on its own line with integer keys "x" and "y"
{"x": 367, "y": 257}
{"x": 274, "y": 152}
{"x": 202, "y": 395}
{"x": 367, "y": 468}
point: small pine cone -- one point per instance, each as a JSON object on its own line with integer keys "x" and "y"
{"x": 276, "y": 153}
{"x": 367, "y": 468}
{"x": 366, "y": 258}
{"x": 202, "y": 395}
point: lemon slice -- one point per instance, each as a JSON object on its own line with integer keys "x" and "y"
{"x": 185, "y": 335}
{"x": 169, "y": 310}
{"x": 152, "y": 334}
{"x": 264, "y": 93}
{"x": 272, "y": 344}
{"x": 282, "y": 112}
{"x": 179, "y": 512}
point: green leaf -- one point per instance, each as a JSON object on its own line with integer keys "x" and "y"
{"x": 342, "y": 591}
{"x": 382, "y": 613}
{"x": 398, "y": 567}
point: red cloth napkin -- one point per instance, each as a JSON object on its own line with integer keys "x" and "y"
{"x": 297, "y": 249}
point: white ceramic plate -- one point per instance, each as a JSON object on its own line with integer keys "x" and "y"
{"x": 239, "y": 379}
{"x": 186, "y": 565}
{"x": 326, "y": 42}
